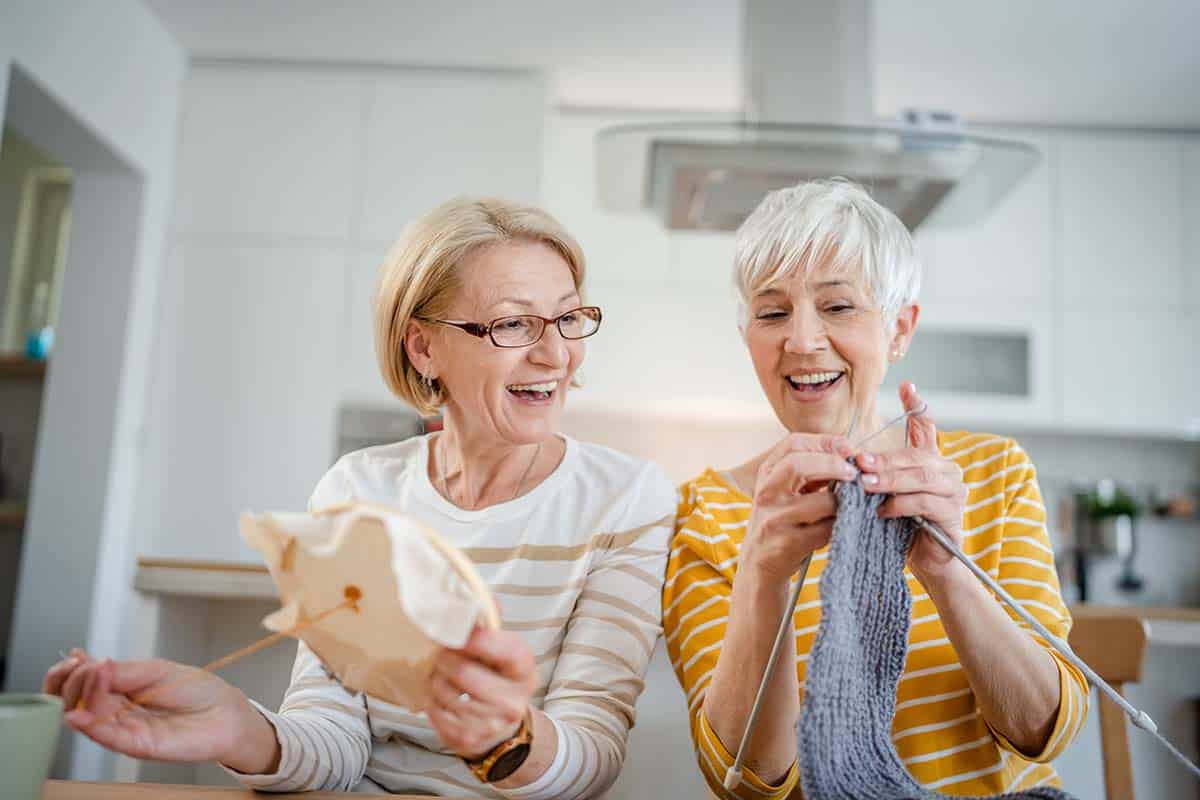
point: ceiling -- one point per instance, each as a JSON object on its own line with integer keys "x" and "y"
{"x": 1117, "y": 62}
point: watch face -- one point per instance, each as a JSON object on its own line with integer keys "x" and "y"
{"x": 509, "y": 763}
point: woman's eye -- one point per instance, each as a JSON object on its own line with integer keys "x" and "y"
{"x": 512, "y": 325}
{"x": 839, "y": 308}
{"x": 770, "y": 315}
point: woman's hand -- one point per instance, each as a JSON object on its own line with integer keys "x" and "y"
{"x": 481, "y": 693}
{"x": 187, "y": 715}
{"x": 792, "y": 516}
{"x": 920, "y": 482}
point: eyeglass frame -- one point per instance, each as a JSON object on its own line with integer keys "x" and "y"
{"x": 480, "y": 330}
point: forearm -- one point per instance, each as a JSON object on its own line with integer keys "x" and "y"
{"x": 1015, "y": 681}
{"x": 541, "y": 756}
{"x": 255, "y": 749}
{"x": 756, "y": 608}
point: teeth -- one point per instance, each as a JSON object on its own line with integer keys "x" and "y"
{"x": 549, "y": 386}
{"x": 816, "y": 377}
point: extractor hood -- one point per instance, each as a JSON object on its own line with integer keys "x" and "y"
{"x": 808, "y": 114}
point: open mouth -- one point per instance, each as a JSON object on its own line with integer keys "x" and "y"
{"x": 815, "y": 382}
{"x": 533, "y": 392}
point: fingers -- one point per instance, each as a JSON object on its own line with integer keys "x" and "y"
{"x": 922, "y": 433}
{"x": 799, "y": 472}
{"x": 72, "y": 688}
{"x": 936, "y": 479}
{"x": 807, "y": 443}
{"x": 57, "y": 675}
{"x": 491, "y": 691}
{"x": 503, "y": 651}
{"x": 131, "y": 677}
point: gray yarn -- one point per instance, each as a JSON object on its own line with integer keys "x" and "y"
{"x": 845, "y": 727}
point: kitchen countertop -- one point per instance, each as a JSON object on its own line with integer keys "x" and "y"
{"x": 1178, "y": 627}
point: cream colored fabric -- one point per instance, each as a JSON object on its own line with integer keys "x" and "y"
{"x": 411, "y": 593}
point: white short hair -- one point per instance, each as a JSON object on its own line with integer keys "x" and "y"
{"x": 833, "y": 222}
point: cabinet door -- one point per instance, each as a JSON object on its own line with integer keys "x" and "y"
{"x": 1130, "y": 371}
{"x": 430, "y": 135}
{"x": 1008, "y": 254}
{"x": 1191, "y": 223}
{"x": 980, "y": 365}
{"x": 1120, "y": 211}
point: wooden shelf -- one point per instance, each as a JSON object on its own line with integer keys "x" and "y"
{"x": 18, "y": 367}
{"x": 191, "y": 578}
{"x": 12, "y": 514}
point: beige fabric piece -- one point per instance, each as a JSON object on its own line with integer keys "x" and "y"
{"x": 412, "y": 593}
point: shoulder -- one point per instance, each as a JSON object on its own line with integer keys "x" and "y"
{"x": 617, "y": 473}
{"x": 711, "y": 517}
{"x": 364, "y": 473}
{"x": 983, "y": 456}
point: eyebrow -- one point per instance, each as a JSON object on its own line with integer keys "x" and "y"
{"x": 519, "y": 301}
{"x": 827, "y": 284}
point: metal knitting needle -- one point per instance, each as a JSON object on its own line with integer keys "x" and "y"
{"x": 1139, "y": 718}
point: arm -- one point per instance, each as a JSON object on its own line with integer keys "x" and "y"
{"x": 1033, "y": 701}
{"x": 598, "y": 678}
{"x": 323, "y": 737}
{"x": 721, "y": 636}
{"x": 1028, "y": 698}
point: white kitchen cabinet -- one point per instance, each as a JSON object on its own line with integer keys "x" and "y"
{"x": 245, "y": 390}
{"x": 1013, "y": 380}
{"x": 360, "y": 381}
{"x": 1121, "y": 220}
{"x": 622, "y": 248}
{"x": 267, "y": 151}
{"x": 431, "y": 135}
{"x": 1131, "y": 371}
{"x": 1007, "y": 257}
{"x": 1191, "y": 222}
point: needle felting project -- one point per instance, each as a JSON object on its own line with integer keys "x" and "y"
{"x": 845, "y": 726}
{"x": 373, "y": 592}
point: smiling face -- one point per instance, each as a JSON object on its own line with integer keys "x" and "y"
{"x": 514, "y": 395}
{"x": 820, "y": 347}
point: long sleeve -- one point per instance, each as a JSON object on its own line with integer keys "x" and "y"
{"x": 607, "y": 645}
{"x": 1026, "y": 571}
{"x": 323, "y": 734}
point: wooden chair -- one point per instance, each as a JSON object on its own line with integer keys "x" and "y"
{"x": 1113, "y": 643}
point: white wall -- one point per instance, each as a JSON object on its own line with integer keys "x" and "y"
{"x": 116, "y": 73}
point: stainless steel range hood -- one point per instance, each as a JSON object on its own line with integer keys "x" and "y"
{"x": 808, "y": 104}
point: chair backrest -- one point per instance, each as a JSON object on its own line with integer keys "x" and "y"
{"x": 1113, "y": 643}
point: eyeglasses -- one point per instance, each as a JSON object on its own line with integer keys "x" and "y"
{"x": 523, "y": 330}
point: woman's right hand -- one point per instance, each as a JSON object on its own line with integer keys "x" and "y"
{"x": 187, "y": 714}
{"x": 792, "y": 516}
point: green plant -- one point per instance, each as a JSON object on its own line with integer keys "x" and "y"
{"x": 1119, "y": 504}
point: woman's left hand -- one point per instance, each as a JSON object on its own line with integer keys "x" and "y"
{"x": 481, "y": 692}
{"x": 921, "y": 482}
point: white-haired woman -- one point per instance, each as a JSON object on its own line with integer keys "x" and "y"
{"x": 480, "y": 314}
{"x": 828, "y": 282}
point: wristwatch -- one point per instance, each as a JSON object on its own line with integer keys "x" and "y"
{"x": 507, "y": 757}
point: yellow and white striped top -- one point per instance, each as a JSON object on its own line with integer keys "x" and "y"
{"x": 938, "y": 730}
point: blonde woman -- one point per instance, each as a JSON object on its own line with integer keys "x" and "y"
{"x": 828, "y": 283}
{"x": 479, "y": 314}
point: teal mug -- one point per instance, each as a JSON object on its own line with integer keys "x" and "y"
{"x": 29, "y": 726}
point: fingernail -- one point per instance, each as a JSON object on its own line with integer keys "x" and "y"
{"x": 868, "y": 458}
{"x": 914, "y": 388}
{"x": 870, "y": 480}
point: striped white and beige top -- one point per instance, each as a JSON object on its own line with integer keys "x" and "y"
{"x": 577, "y": 565}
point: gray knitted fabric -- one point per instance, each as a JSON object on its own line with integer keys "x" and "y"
{"x": 845, "y": 727}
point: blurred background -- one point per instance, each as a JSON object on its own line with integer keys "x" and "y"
{"x": 195, "y": 198}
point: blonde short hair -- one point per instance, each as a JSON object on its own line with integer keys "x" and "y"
{"x": 421, "y": 275}
{"x": 832, "y": 222}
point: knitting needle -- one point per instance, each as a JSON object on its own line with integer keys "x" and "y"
{"x": 1139, "y": 718}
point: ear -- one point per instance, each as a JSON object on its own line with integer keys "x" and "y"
{"x": 902, "y": 331}
{"x": 418, "y": 346}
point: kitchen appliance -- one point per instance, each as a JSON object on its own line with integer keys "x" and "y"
{"x": 807, "y": 113}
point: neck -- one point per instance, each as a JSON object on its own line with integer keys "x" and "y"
{"x": 475, "y": 470}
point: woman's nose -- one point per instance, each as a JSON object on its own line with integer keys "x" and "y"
{"x": 552, "y": 349}
{"x": 807, "y": 333}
